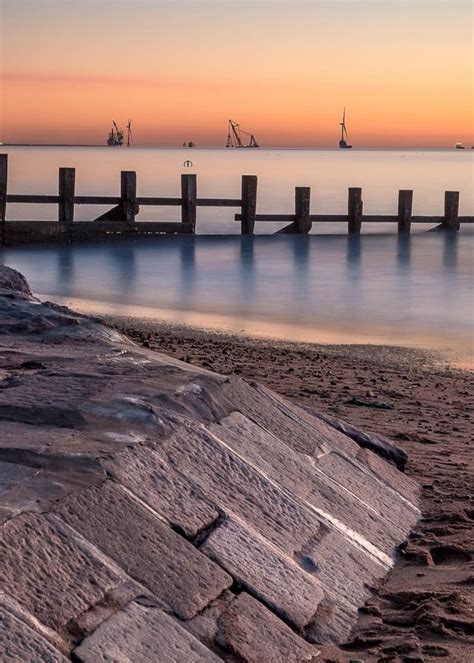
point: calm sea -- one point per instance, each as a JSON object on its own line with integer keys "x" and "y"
{"x": 376, "y": 288}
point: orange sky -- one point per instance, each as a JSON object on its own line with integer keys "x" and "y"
{"x": 284, "y": 70}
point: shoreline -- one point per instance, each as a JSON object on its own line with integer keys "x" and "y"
{"x": 234, "y": 328}
{"x": 424, "y": 606}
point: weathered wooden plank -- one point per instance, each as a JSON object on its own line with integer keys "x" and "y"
{"x": 302, "y": 222}
{"x": 270, "y": 217}
{"x": 67, "y": 183}
{"x": 219, "y": 202}
{"x": 32, "y": 226}
{"x": 144, "y": 227}
{"x": 153, "y": 200}
{"x": 249, "y": 204}
{"x": 33, "y": 198}
{"x": 3, "y": 194}
{"x": 302, "y": 206}
{"x": 189, "y": 197}
{"x": 113, "y": 214}
{"x": 427, "y": 219}
{"x": 97, "y": 200}
{"x": 405, "y": 207}
{"x": 128, "y": 195}
{"x": 451, "y": 211}
{"x": 354, "y": 205}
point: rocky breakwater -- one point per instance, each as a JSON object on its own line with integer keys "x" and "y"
{"x": 154, "y": 511}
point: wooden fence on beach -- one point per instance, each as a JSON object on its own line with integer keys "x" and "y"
{"x": 120, "y": 219}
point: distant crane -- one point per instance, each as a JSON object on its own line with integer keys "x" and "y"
{"x": 234, "y": 137}
{"x": 115, "y": 136}
{"x": 129, "y": 133}
{"x": 343, "y": 143}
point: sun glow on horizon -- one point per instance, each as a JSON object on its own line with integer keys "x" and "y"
{"x": 283, "y": 70}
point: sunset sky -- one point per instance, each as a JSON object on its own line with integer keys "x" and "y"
{"x": 283, "y": 69}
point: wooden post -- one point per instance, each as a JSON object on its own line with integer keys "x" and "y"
{"x": 355, "y": 206}
{"x": 451, "y": 210}
{"x": 249, "y": 204}
{"x": 67, "y": 183}
{"x": 3, "y": 195}
{"x": 188, "y": 201}
{"x": 128, "y": 195}
{"x": 405, "y": 206}
{"x": 302, "y": 205}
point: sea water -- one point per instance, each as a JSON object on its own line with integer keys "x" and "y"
{"x": 374, "y": 288}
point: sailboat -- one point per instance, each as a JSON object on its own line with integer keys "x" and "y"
{"x": 343, "y": 143}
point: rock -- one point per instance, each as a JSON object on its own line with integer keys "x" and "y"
{"x": 180, "y": 576}
{"x": 144, "y": 634}
{"x": 375, "y": 443}
{"x": 267, "y": 574}
{"x": 152, "y": 510}
{"x": 48, "y": 573}
{"x": 379, "y": 405}
{"x": 13, "y": 281}
{"x": 20, "y": 642}
{"x": 256, "y": 635}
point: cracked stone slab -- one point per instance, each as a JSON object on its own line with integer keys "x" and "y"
{"x": 296, "y": 427}
{"x": 182, "y": 578}
{"x": 256, "y": 635}
{"x": 268, "y": 574}
{"x": 164, "y": 488}
{"x": 234, "y": 484}
{"x": 144, "y": 634}
{"x": 48, "y": 573}
{"x": 331, "y": 483}
{"x": 20, "y": 643}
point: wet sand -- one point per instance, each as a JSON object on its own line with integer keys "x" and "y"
{"x": 424, "y": 610}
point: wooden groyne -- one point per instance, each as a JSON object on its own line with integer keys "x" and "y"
{"x": 121, "y": 218}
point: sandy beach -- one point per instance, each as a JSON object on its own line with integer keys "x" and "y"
{"x": 423, "y": 611}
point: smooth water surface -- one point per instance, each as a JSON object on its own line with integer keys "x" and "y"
{"x": 329, "y": 173}
{"x": 414, "y": 291}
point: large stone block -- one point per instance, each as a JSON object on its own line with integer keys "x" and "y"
{"x": 165, "y": 488}
{"x": 19, "y": 643}
{"x": 143, "y": 635}
{"x": 266, "y": 573}
{"x": 234, "y": 484}
{"x": 295, "y": 426}
{"x": 48, "y": 573}
{"x": 256, "y": 635}
{"x": 182, "y": 578}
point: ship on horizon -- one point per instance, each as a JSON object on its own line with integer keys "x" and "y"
{"x": 115, "y": 137}
{"x": 343, "y": 145}
{"x": 235, "y": 136}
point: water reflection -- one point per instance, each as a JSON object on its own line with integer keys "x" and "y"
{"x": 403, "y": 253}
{"x": 124, "y": 261}
{"x": 247, "y": 276}
{"x": 187, "y": 274}
{"x": 450, "y": 250}
{"x": 65, "y": 265}
{"x": 402, "y": 283}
